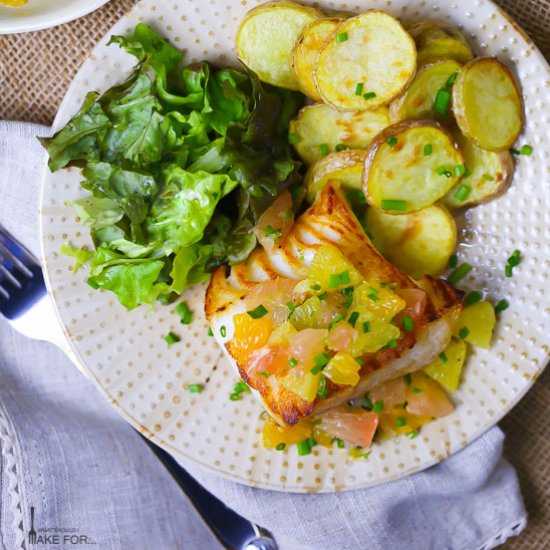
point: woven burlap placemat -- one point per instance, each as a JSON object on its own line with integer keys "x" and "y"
{"x": 35, "y": 71}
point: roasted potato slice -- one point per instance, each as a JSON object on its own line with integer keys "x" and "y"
{"x": 266, "y": 38}
{"x": 487, "y": 104}
{"x": 489, "y": 175}
{"x": 410, "y": 165}
{"x": 420, "y": 243}
{"x": 344, "y": 166}
{"x": 368, "y": 61}
{"x": 318, "y": 129}
{"x": 436, "y": 41}
{"x": 305, "y": 52}
{"x": 417, "y": 101}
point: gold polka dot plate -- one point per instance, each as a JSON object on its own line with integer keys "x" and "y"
{"x": 125, "y": 354}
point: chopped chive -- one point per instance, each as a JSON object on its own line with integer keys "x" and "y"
{"x": 339, "y": 279}
{"x": 451, "y": 80}
{"x": 348, "y": 291}
{"x": 323, "y": 149}
{"x": 416, "y": 390}
{"x": 391, "y": 141}
{"x": 323, "y": 296}
{"x": 291, "y": 307}
{"x": 373, "y": 297}
{"x": 526, "y": 150}
{"x": 366, "y": 326}
{"x": 223, "y": 331}
{"x": 303, "y": 448}
{"x": 294, "y": 138}
{"x": 488, "y": 177}
{"x": 472, "y": 298}
{"x": 378, "y": 407}
{"x": 428, "y": 149}
{"x": 353, "y": 318}
{"x": 369, "y": 95}
{"x": 195, "y": 388}
{"x": 443, "y": 357}
{"x": 258, "y": 313}
{"x": 315, "y": 287}
{"x": 401, "y": 421}
{"x": 280, "y": 447}
{"x": 459, "y": 273}
{"x": 359, "y": 89}
{"x": 171, "y": 338}
{"x": 453, "y": 261}
{"x": 342, "y": 37}
{"x": 408, "y": 323}
{"x": 321, "y": 361}
{"x": 367, "y": 403}
{"x": 462, "y": 193}
{"x": 408, "y": 379}
{"x": 442, "y": 101}
{"x": 501, "y": 306}
{"x": 515, "y": 258}
{"x": 508, "y": 271}
{"x": 92, "y": 282}
{"x": 460, "y": 170}
{"x": 340, "y": 443}
{"x": 413, "y": 434}
{"x": 463, "y": 332}
{"x": 340, "y": 147}
{"x": 234, "y": 396}
{"x": 186, "y": 315}
{"x": 397, "y": 205}
{"x": 347, "y": 303}
{"x": 265, "y": 374}
{"x": 270, "y": 231}
{"x": 359, "y": 361}
{"x": 241, "y": 387}
{"x": 292, "y": 362}
{"x": 442, "y": 171}
{"x": 210, "y": 331}
{"x": 337, "y": 318}
{"x": 392, "y": 344}
{"x": 322, "y": 391}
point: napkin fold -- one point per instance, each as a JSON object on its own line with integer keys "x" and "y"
{"x": 67, "y": 453}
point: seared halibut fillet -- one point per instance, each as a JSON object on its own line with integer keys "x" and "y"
{"x": 325, "y": 286}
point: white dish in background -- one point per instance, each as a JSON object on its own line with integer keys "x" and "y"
{"x": 125, "y": 354}
{"x": 42, "y": 14}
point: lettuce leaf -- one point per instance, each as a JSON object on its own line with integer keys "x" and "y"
{"x": 180, "y": 161}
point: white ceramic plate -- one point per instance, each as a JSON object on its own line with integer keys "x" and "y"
{"x": 125, "y": 354}
{"x": 42, "y": 14}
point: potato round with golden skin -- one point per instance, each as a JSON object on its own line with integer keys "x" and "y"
{"x": 436, "y": 41}
{"x": 319, "y": 129}
{"x": 305, "y": 52}
{"x": 489, "y": 175}
{"x": 266, "y": 37}
{"x": 411, "y": 165}
{"x": 420, "y": 243}
{"x": 417, "y": 101}
{"x": 344, "y": 166}
{"x": 487, "y": 104}
{"x": 368, "y": 61}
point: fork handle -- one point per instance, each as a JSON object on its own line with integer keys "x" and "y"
{"x": 40, "y": 322}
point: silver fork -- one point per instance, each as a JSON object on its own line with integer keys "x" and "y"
{"x": 25, "y": 303}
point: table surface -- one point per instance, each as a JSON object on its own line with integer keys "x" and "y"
{"x": 35, "y": 71}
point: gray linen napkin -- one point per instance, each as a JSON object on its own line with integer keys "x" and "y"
{"x": 82, "y": 467}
